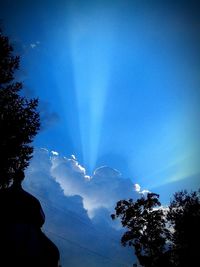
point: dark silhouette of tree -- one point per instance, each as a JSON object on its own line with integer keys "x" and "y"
{"x": 22, "y": 242}
{"x": 147, "y": 232}
{"x": 162, "y": 237}
{"x": 184, "y": 218}
{"x": 19, "y": 118}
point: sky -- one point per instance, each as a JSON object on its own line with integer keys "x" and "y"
{"x": 118, "y": 84}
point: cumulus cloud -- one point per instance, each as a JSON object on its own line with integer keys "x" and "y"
{"x": 73, "y": 157}
{"x": 55, "y": 153}
{"x": 78, "y": 208}
{"x": 102, "y": 190}
{"x": 145, "y": 192}
{"x": 137, "y": 188}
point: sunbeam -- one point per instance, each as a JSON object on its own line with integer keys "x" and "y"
{"x": 91, "y": 49}
{"x": 123, "y": 79}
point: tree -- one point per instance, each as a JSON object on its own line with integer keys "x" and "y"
{"x": 22, "y": 241}
{"x": 19, "y": 118}
{"x": 162, "y": 237}
{"x": 147, "y": 232}
{"x": 184, "y": 218}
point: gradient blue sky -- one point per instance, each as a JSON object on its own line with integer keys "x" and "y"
{"x": 118, "y": 83}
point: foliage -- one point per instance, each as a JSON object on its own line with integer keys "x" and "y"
{"x": 19, "y": 119}
{"x": 184, "y": 218}
{"x": 162, "y": 237}
{"x": 146, "y": 228}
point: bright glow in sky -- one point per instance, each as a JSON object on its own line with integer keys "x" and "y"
{"x": 123, "y": 78}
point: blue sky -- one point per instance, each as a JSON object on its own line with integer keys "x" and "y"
{"x": 118, "y": 83}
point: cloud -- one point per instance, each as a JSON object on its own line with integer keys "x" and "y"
{"x": 102, "y": 190}
{"x": 145, "y": 192}
{"x": 35, "y": 44}
{"x": 54, "y": 153}
{"x": 73, "y": 157}
{"x": 78, "y": 209}
{"x": 137, "y": 188}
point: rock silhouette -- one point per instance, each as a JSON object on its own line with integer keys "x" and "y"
{"x": 22, "y": 241}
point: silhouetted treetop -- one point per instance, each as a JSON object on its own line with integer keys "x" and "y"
{"x": 8, "y": 62}
{"x": 146, "y": 231}
{"x": 19, "y": 118}
{"x": 162, "y": 237}
{"x": 184, "y": 218}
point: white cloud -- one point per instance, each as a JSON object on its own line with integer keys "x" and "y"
{"x": 102, "y": 190}
{"x": 54, "y": 153}
{"x": 145, "y": 192}
{"x": 77, "y": 167}
{"x": 65, "y": 192}
{"x": 137, "y": 187}
{"x": 87, "y": 177}
{"x": 32, "y": 45}
{"x": 35, "y": 44}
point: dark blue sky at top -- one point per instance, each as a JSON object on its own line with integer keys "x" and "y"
{"x": 118, "y": 83}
